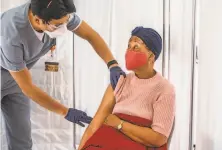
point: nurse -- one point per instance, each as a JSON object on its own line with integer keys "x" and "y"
{"x": 28, "y": 32}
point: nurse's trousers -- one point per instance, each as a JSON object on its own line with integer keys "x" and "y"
{"x": 15, "y": 109}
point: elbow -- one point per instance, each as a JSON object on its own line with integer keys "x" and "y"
{"x": 158, "y": 141}
{"x": 27, "y": 90}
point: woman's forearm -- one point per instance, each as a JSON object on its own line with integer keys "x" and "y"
{"x": 87, "y": 134}
{"x": 143, "y": 135}
{"x": 137, "y": 139}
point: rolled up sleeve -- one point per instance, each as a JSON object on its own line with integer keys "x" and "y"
{"x": 12, "y": 57}
{"x": 164, "y": 112}
{"x": 74, "y": 22}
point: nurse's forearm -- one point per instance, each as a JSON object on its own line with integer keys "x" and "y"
{"x": 88, "y": 33}
{"x": 100, "y": 47}
{"x": 44, "y": 100}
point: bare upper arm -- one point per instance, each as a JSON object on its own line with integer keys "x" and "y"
{"x": 105, "y": 108}
{"x": 23, "y": 79}
{"x": 85, "y": 31}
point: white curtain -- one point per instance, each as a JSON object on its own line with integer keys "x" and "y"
{"x": 209, "y": 119}
{"x": 180, "y": 62}
{"x": 8, "y": 4}
{"x": 49, "y": 130}
{"x": 91, "y": 75}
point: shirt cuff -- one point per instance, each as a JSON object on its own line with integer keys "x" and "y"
{"x": 74, "y": 23}
{"x": 6, "y": 64}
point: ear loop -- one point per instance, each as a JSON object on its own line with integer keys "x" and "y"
{"x": 49, "y": 26}
{"x": 44, "y": 22}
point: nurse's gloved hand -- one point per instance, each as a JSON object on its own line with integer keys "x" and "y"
{"x": 78, "y": 116}
{"x": 115, "y": 73}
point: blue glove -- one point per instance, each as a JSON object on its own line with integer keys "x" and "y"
{"x": 78, "y": 116}
{"x": 115, "y": 73}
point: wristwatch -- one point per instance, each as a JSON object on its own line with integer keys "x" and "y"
{"x": 119, "y": 127}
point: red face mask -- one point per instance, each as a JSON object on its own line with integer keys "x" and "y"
{"x": 135, "y": 59}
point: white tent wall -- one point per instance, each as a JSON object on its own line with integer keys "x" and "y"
{"x": 7, "y": 4}
{"x": 49, "y": 130}
{"x": 91, "y": 74}
{"x": 180, "y": 69}
{"x": 209, "y": 120}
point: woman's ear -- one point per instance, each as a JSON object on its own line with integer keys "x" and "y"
{"x": 152, "y": 58}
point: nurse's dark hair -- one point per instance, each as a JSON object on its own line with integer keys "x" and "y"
{"x": 52, "y": 9}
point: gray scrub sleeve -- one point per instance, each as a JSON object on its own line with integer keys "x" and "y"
{"x": 11, "y": 55}
{"x": 74, "y": 22}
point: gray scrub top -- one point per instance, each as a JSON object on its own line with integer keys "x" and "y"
{"x": 20, "y": 46}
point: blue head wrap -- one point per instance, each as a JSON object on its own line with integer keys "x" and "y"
{"x": 151, "y": 38}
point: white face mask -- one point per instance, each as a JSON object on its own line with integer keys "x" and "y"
{"x": 58, "y": 32}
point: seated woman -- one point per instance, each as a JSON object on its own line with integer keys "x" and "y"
{"x": 139, "y": 113}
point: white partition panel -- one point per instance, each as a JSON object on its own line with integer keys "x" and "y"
{"x": 180, "y": 67}
{"x": 209, "y": 119}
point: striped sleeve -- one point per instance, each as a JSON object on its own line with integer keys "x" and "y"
{"x": 74, "y": 22}
{"x": 164, "y": 112}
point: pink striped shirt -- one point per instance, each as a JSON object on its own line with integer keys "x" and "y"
{"x": 152, "y": 99}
